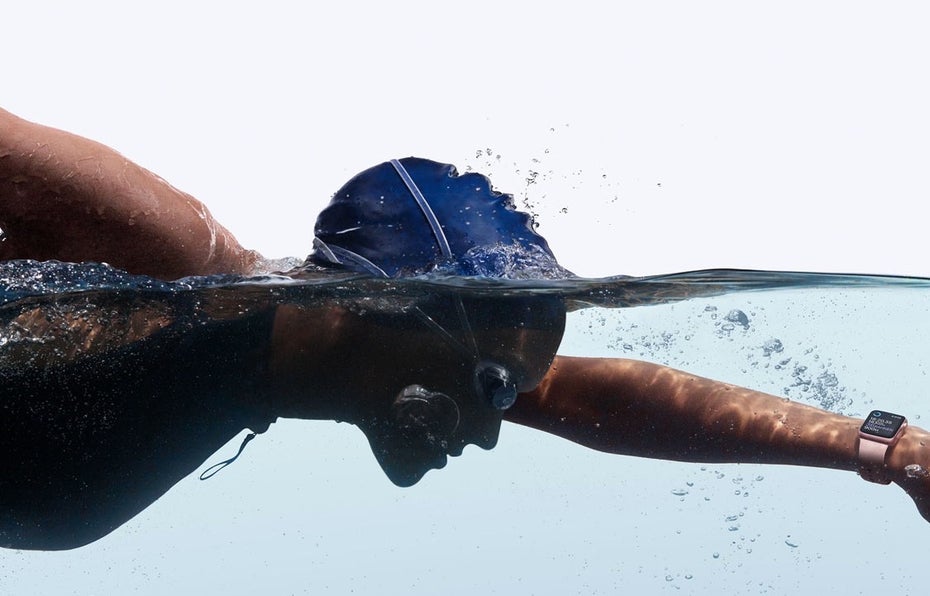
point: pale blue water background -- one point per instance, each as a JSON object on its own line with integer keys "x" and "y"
{"x": 307, "y": 510}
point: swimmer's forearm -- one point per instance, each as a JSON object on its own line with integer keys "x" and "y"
{"x": 637, "y": 408}
{"x": 69, "y": 198}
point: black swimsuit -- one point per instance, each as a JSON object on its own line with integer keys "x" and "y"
{"x": 89, "y": 443}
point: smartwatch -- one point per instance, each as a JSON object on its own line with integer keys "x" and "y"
{"x": 880, "y": 431}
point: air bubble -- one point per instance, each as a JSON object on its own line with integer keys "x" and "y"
{"x": 739, "y": 317}
{"x": 773, "y": 346}
{"x": 916, "y": 471}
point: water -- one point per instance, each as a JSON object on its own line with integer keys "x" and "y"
{"x": 306, "y": 509}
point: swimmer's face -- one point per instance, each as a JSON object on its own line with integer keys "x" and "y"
{"x": 426, "y": 403}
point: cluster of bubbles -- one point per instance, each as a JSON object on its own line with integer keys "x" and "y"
{"x": 796, "y": 371}
{"x": 733, "y": 339}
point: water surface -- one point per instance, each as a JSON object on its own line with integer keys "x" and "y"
{"x": 307, "y": 505}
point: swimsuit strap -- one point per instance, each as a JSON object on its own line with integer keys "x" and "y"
{"x": 425, "y": 208}
{"x": 215, "y": 468}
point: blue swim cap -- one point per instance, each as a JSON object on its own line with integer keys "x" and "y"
{"x": 413, "y": 216}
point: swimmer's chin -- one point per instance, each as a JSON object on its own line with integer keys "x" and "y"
{"x": 405, "y": 461}
{"x": 405, "y": 468}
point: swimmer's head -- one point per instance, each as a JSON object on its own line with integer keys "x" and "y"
{"x": 454, "y": 364}
{"x": 415, "y": 216}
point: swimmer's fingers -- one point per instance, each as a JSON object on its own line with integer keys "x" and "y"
{"x": 909, "y": 462}
{"x": 918, "y": 488}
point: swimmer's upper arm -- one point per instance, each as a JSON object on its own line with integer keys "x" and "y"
{"x": 68, "y": 198}
{"x": 57, "y": 333}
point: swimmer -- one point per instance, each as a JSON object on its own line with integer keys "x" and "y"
{"x": 67, "y": 198}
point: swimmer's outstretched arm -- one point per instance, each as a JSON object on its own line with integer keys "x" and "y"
{"x": 68, "y": 198}
{"x": 638, "y": 408}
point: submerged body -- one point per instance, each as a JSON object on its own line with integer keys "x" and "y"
{"x": 92, "y": 439}
{"x": 421, "y": 380}
{"x": 116, "y": 391}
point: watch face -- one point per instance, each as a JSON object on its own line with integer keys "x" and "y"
{"x": 882, "y": 424}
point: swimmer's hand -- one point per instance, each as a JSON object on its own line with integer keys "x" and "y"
{"x": 910, "y": 461}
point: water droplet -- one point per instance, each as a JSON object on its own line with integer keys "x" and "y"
{"x": 916, "y": 471}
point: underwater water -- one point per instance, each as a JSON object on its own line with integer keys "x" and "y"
{"x": 306, "y": 509}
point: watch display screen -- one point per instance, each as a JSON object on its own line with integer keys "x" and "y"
{"x": 882, "y": 424}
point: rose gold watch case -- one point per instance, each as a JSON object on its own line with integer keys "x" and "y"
{"x": 872, "y": 452}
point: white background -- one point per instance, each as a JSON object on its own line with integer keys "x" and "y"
{"x": 664, "y": 136}
{"x": 791, "y": 136}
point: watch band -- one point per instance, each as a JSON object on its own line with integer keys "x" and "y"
{"x": 872, "y": 460}
{"x": 879, "y": 432}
